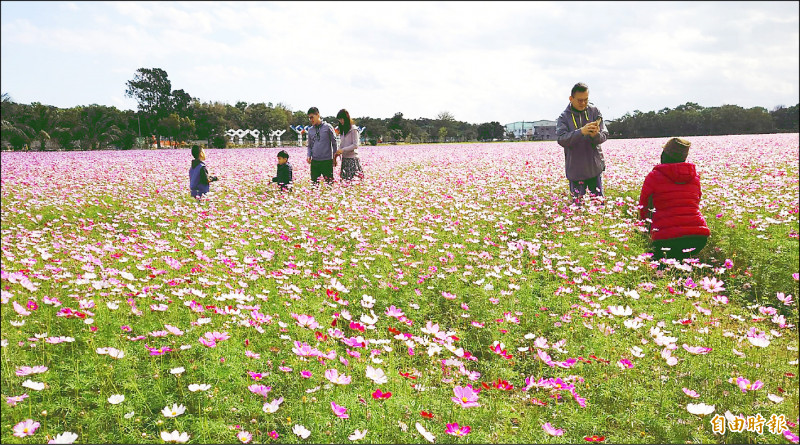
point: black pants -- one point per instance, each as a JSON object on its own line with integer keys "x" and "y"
{"x": 322, "y": 168}
{"x": 676, "y": 246}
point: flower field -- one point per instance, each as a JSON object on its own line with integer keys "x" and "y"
{"x": 454, "y": 296}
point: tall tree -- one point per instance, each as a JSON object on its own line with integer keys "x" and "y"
{"x": 152, "y": 88}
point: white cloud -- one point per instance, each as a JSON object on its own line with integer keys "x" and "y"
{"x": 481, "y": 61}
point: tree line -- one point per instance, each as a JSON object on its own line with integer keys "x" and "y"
{"x": 165, "y": 114}
{"x": 691, "y": 119}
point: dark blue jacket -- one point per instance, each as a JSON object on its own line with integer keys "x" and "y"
{"x": 284, "y": 174}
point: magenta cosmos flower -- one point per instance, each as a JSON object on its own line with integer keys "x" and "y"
{"x": 465, "y": 396}
{"x": 551, "y": 430}
{"x": 454, "y": 429}
{"x": 340, "y": 411}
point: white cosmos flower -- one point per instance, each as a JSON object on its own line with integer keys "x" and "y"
{"x": 700, "y": 409}
{"x": 175, "y": 437}
{"x": 425, "y": 433}
{"x": 273, "y": 406}
{"x": 620, "y": 311}
{"x": 194, "y": 387}
{"x": 175, "y": 411}
{"x": 301, "y": 431}
{"x": 177, "y": 371}
{"x": 357, "y": 435}
{"x": 775, "y": 398}
{"x": 637, "y": 351}
{"x": 65, "y": 437}
{"x": 36, "y": 386}
{"x": 129, "y": 415}
{"x": 376, "y": 375}
{"x": 367, "y": 302}
{"x": 116, "y": 399}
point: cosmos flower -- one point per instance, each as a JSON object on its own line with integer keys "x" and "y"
{"x": 549, "y": 429}
{"x": 465, "y": 396}
{"x": 26, "y": 428}
{"x": 64, "y": 438}
{"x": 454, "y": 429}
{"x": 175, "y": 437}
{"x": 174, "y": 411}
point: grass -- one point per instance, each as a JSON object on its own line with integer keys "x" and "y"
{"x": 418, "y": 231}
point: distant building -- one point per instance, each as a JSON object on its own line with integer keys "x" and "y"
{"x": 543, "y": 130}
{"x": 521, "y": 130}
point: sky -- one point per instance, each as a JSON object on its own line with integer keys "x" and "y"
{"x": 479, "y": 61}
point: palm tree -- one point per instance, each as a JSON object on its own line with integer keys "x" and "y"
{"x": 97, "y": 126}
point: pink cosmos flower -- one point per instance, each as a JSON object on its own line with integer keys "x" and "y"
{"x": 305, "y": 374}
{"x": 336, "y": 378}
{"x": 16, "y": 399}
{"x": 306, "y": 321}
{"x": 549, "y": 429}
{"x": 285, "y": 368}
{"x": 26, "y": 428}
{"x": 173, "y": 330}
{"x": 790, "y": 436}
{"x": 261, "y": 390}
{"x": 697, "y": 349}
{"x": 786, "y": 300}
{"x": 392, "y": 311}
{"x": 273, "y": 434}
{"x": 691, "y": 393}
{"x": 20, "y": 309}
{"x": 465, "y": 396}
{"x": 455, "y": 430}
{"x": 745, "y": 384}
{"x": 244, "y": 436}
{"x": 304, "y": 350}
{"x": 712, "y": 285}
{"x": 27, "y": 370}
{"x": 340, "y": 411}
{"x": 252, "y": 354}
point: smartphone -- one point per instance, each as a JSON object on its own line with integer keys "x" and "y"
{"x": 599, "y": 120}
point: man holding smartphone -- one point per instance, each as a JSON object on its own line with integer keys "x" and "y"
{"x": 580, "y": 130}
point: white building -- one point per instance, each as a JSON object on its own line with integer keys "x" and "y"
{"x": 542, "y": 130}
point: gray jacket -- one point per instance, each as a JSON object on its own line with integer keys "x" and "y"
{"x": 583, "y": 156}
{"x": 321, "y": 142}
{"x": 349, "y": 143}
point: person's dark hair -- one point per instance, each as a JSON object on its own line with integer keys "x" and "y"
{"x": 313, "y": 110}
{"x": 579, "y": 87}
{"x": 196, "y": 151}
{"x": 283, "y": 154}
{"x": 668, "y": 159}
{"x": 344, "y": 114}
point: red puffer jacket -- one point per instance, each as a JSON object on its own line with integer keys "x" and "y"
{"x": 673, "y": 190}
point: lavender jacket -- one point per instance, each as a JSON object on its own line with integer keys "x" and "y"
{"x": 583, "y": 156}
{"x": 349, "y": 143}
{"x": 321, "y": 142}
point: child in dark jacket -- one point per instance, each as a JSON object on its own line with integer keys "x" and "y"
{"x": 198, "y": 173}
{"x": 284, "y": 175}
{"x": 670, "y": 197}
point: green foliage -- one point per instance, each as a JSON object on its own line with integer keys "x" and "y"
{"x": 692, "y": 119}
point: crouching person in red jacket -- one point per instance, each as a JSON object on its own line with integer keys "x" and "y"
{"x": 671, "y": 199}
